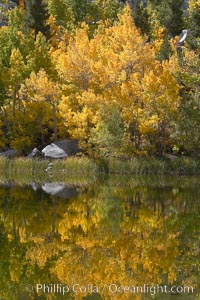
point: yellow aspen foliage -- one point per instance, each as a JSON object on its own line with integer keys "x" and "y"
{"x": 41, "y": 252}
{"x": 17, "y": 66}
{"x": 41, "y": 89}
{"x": 147, "y": 249}
{"x": 17, "y": 73}
{"x": 116, "y": 67}
{"x": 73, "y": 66}
{"x": 55, "y": 31}
{"x": 157, "y": 32}
{"x": 194, "y": 4}
{"x": 81, "y": 110}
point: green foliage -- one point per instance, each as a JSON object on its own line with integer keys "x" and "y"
{"x": 166, "y": 15}
{"x": 108, "y": 9}
{"x": 190, "y": 124}
{"x": 11, "y": 36}
{"x": 106, "y": 137}
{"x": 39, "y": 16}
{"x": 189, "y": 119}
{"x": 176, "y": 24}
{"x": 193, "y": 24}
{"x": 39, "y": 56}
{"x": 170, "y": 14}
{"x": 62, "y": 11}
{"x": 70, "y": 14}
{"x": 141, "y": 17}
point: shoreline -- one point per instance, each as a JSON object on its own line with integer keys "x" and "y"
{"x": 84, "y": 166}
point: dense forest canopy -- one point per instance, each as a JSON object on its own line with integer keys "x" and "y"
{"x": 106, "y": 72}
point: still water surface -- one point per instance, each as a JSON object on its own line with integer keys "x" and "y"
{"x": 100, "y": 239}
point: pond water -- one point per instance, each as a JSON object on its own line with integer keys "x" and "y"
{"x": 107, "y": 238}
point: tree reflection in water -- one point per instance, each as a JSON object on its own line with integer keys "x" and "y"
{"x": 128, "y": 232}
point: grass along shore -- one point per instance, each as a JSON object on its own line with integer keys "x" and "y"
{"x": 42, "y": 169}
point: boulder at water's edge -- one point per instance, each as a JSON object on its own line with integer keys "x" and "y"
{"x": 61, "y": 149}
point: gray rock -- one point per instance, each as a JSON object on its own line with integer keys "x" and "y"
{"x": 69, "y": 146}
{"x": 10, "y": 153}
{"x": 53, "y": 188}
{"x": 182, "y": 38}
{"x": 61, "y": 149}
{"x": 35, "y": 153}
{"x": 60, "y": 190}
{"x": 53, "y": 151}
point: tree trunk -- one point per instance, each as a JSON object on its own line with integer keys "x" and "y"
{"x": 55, "y": 124}
{"x": 14, "y": 101}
